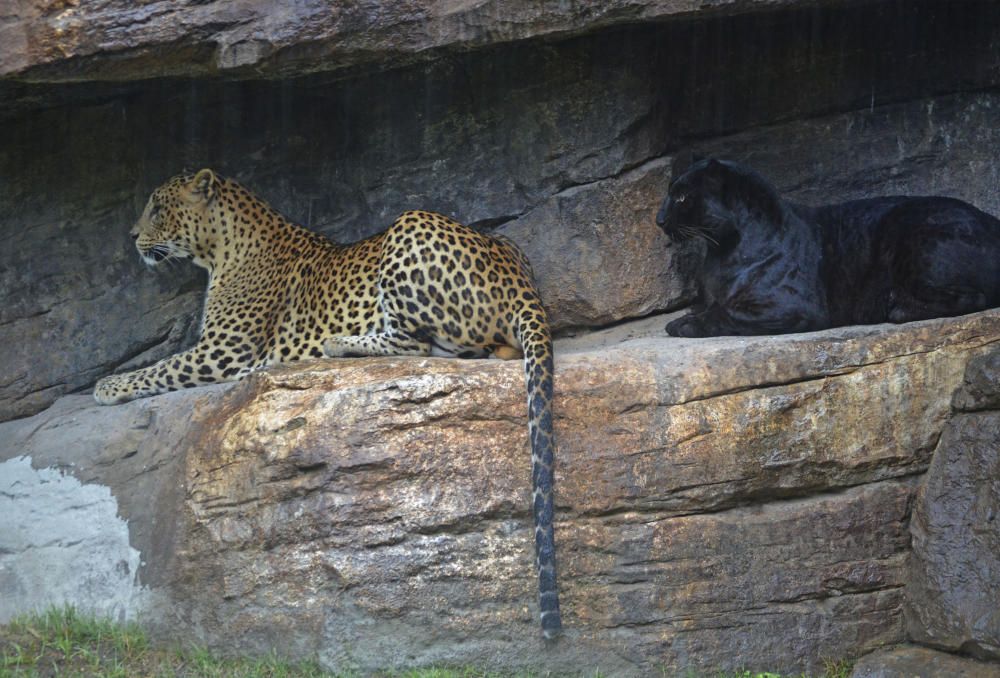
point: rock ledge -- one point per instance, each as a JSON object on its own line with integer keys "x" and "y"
{"x": 720, "y": 501}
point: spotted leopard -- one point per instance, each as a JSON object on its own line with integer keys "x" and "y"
{"x": 278, "y": 292}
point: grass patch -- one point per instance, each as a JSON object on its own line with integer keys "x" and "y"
{"x": 63, "y": 642}
{"x": 831, "y": 669}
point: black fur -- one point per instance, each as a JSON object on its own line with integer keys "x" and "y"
{"x": 774, "y": 267}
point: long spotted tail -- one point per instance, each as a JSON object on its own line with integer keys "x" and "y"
{"x": 538, "y": 368}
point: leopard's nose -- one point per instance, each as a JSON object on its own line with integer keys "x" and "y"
{"x": 135, "y": 236}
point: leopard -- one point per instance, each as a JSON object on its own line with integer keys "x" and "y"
{"x": 279, "y": 292}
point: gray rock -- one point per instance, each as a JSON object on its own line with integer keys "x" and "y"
{"x": 953, "y": 598}
{"x": 502, "y": 120}
{"x": 116, "y": 39}
{"x": 940, "y": 146}
{"x": 343, "y": 158}
{"x": 598, "y": 255}
{"x": 910, "y": 661}
{"x": 63, "y": 542}
{"x": 981, "y": 386}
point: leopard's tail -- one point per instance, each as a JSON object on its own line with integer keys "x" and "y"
{"x": 536, "y": 342}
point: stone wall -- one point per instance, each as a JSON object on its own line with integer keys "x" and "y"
{"x": 953, "y": 600}
{"x": 723, "y": 503}
{"x": 564, "y": 145}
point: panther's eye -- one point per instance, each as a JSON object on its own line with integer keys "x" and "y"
{"x": 682, "y": 197}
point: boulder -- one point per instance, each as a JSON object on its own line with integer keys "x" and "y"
{"x": 953, "y": 598}
{"x": 721, "y": 503}
{"x": 598, "y": 255}
{"x": 911, "y": 661}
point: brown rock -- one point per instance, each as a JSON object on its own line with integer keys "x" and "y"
{"x": 721, "y": 503}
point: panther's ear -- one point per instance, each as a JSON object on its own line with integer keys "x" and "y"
{"x": 714, "y": 170}
{"x": 682, "y": 162}
{"x": 205, "y": 184}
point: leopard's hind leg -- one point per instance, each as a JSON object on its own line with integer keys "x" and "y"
{"x": 391, "y": 341}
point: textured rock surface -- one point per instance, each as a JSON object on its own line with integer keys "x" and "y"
{"x": 462, "y": 138}
{"x": 721, "y": 503}
{"x": 139, "y": 453}
{"x": 597, "y": 254}
{"x": 563, "y": 144}
{"x": 56, "y": 40}
{"x": 45, "y": 40}
{"x": 953, "y": 601}
{"x": 62, "y": 542}
{"x": 933, "y": 147}
{"x": 910, "y": 661}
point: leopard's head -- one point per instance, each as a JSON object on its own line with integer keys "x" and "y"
{"x": 176, "y": 223}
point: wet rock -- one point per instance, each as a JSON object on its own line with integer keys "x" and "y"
{"x": 722, "y": 503}
{"x": 911, "y": 661}
{"x": 953, "y": 601}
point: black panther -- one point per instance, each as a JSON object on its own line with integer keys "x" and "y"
{"x": 774, "y": 267}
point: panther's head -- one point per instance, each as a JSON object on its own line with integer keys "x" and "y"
{"x": 176, "y": 218}
{"x": 691, "y": 207}
{"x": 720, "y": 202}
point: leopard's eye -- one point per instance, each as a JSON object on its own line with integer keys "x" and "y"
{"x": 154, "y": 214}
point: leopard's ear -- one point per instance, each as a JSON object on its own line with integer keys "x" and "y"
{"x": 205, "y": 185}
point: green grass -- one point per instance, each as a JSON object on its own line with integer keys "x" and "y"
{"x": 840, "y": 669}
{"x": 62, "y": 642}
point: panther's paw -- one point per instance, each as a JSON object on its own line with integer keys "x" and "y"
{"x": 685, "y": 326}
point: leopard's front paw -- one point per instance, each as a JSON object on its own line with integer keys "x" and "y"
{"x": 112, "y": 390}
